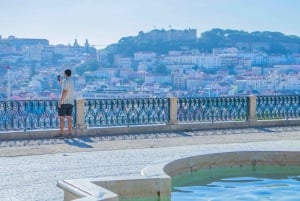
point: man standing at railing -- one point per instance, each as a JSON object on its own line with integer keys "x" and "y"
{"x": 65, "y": 104}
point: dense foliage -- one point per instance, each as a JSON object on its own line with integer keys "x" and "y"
{"x": 269, "y": 42}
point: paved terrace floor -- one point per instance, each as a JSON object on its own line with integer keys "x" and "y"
{"x": 29, "y": 169}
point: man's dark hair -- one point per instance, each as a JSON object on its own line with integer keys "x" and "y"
{"x": 68, "y": 72}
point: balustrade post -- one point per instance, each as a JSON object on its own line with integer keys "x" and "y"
{"x": 173, "y": 111}
{"x": 80, "y": 122}
{"x": 252, "y": 110}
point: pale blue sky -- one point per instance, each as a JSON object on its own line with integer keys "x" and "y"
{"x": 104, "y": 22}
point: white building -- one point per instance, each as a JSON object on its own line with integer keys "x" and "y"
{"x": 106, "y": 73}
{"x": 144, "y": 56}
{"x": 193, "y": 83}
{"x": 33, "y": 53}
{"x": 125, "y": 62}
{"x": 126, "y": 73}
{"x": 208, "y": 61}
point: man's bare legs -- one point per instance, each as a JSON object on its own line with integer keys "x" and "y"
{"x": 62, "y": 127}
{"x": 69, "y": 125}
{"x": 61, "y": 124}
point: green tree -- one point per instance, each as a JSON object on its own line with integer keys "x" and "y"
{"x": 139, "y": 81}
{"x": 195, "y": 67}
{"x": 88, "y": 66}
{"x": 161, "y": 69}
{"x": 32, "y": 70}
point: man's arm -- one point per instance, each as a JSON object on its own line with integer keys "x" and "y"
{"x": 62, "y": 97}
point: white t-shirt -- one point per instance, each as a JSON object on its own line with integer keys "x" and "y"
{"x": 68, "y": 85}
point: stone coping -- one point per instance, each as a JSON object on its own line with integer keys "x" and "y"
{"x": 155, "y": 180}
{"x": 150, "y": 128}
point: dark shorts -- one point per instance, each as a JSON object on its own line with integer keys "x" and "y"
{"x": 65, "y": 110}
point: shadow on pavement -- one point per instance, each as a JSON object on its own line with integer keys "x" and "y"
{"x": 265, "y": 130}
{"x": 77, "y": 143}
{"x": 184, "y": 134}
{"x": 87, "y": 139}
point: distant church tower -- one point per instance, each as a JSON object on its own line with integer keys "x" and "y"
{"x": 75, "y": 44}
{"x": 86, "y": 45}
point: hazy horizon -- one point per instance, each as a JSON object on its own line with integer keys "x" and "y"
{"x": 104, "y": 22}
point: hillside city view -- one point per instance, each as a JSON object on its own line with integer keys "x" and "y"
{"x": 159, "y": 63}
{"x": 161, "y": 100}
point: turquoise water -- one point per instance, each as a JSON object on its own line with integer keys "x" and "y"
{"x": 244, "y": 183}
{"x": 242, "y": 188}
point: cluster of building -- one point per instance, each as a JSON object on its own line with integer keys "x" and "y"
{"x": 30, "y": 67}
{"x": 223, "y": 72}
